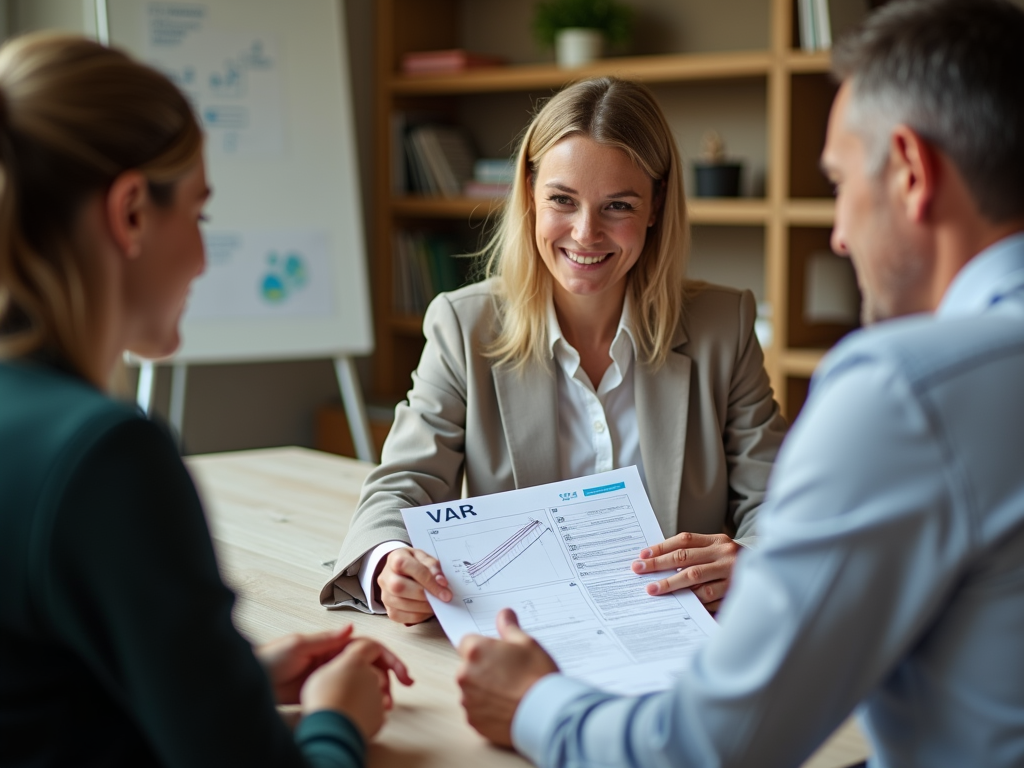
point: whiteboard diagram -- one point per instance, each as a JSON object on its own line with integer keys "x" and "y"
{"x": 232, "y": 78}
{"x": 501, "y": 553}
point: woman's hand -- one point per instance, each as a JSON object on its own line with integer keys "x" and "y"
{"x": 407, "y": 576}
{"x": 289, "y": 660}
{"x": 356, "y": 684}
{"x": 703, "y": 562}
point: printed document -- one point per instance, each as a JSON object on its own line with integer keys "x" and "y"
{"x": 559, "y": 555}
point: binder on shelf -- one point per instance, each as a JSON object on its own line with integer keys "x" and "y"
{"x": 425, "y": 264}
{"x": 494, "y": 170}
{"x": 420, "y": 178}
{"x": 441, "y": 158}
{"x": 492, "y": 178}
{"x": 805, "y": 13}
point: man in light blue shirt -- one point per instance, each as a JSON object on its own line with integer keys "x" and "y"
{"x": 890, "y": 571}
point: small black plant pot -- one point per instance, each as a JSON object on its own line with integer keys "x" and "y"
{"x": 718, "y": 179}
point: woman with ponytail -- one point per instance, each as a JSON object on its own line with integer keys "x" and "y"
{"x": 116, "y": 641}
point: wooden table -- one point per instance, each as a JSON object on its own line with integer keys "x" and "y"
{"x": 277, "y": 518}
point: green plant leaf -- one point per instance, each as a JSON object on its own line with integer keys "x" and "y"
{"x": 612, "y": 18}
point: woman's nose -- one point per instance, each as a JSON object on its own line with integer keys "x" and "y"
{"x": 586, "y": 228}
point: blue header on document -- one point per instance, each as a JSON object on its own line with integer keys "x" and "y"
{"x": 603, "y": 489}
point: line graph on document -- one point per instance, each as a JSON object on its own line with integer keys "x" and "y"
{"x": 516, "y": 550}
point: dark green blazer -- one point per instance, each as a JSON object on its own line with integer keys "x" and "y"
{"x": 116, "y": 641}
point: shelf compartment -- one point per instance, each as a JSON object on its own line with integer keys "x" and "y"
{"x": 530, "y": 77}
{"x": 810, "y": 102}
{"x": 805, "y": 332}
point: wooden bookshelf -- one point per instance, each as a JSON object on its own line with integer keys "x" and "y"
{"x": 649, "y": 69}
{"x": 799, "y": 61}
{"x": 809, "y": 212}
{"x": 795, "y": 212}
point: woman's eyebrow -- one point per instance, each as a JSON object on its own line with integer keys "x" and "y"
{"x": 563, "y": 188}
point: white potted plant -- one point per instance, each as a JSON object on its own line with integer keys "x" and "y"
{"x": 579, "y": 30}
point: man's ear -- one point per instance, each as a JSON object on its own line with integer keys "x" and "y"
{"x": 914, "y": 171}
{"x": 127, "y": 201}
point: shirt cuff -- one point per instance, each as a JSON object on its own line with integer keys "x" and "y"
{"x": 368, "y": 567}
{"x": 328, "y": 739}
{"x": 541, "y": 710}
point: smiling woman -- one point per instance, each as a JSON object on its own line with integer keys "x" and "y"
{"x": 593, "y": 207}
{"x": 585, "y": 350}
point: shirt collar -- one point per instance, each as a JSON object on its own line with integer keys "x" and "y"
{"x": 623, "y": 348}
{"x": 985, "y": 279}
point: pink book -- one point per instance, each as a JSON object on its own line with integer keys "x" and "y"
{"x": 454, "y": 60}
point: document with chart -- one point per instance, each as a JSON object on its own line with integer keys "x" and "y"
{"x": 559, "y": 555}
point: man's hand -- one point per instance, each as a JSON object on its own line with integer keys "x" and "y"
{"x": 704, "y": 562}
{"x": 356, "y": 683}
{"x": 407, "y": 576}
{"x": 289, "y": 660}
{"x": 496, "y": 674}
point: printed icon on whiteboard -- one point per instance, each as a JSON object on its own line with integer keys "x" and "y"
{"x": 286, "y": 274}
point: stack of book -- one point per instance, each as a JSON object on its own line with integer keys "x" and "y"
{"x": 492, "y": 177}
{"x": 454, "y": 60}
{"x": 824, "y": 21}
{"x": 425, "y": 264}
{"x": 440, "y": 159}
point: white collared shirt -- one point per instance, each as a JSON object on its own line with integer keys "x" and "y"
{"x": 597, "y": 428}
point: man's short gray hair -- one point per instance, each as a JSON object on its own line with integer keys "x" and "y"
{"x": 953, "y": 71}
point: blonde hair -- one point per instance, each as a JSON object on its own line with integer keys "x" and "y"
{"x": 74, "y": 115}
{"x": 615, "y": 113}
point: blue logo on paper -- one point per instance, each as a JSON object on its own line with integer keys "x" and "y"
{"x": 603, "y": 489}
{"x": 567, "y": 496}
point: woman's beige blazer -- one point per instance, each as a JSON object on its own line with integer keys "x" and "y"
{"x": 709, "y": 426}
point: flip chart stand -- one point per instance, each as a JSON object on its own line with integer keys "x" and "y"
{"x": 348, "y": 384}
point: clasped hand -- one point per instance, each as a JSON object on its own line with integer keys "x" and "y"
{"x": 330, "y": 670}
{"x": 703, "y": 562}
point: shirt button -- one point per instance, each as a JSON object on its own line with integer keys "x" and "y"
{"x": 599, "y": 427}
